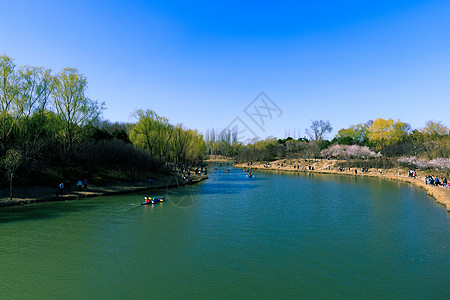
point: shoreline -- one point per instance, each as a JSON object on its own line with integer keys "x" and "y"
{"x": 440, "y": 194}
{"x": 36, "y": 194}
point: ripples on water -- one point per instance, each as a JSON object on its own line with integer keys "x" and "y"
{"x": 277, "y": 235}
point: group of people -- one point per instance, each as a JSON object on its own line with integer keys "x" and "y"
{"x": 436, "y": 181}
{"x": 412, "y": 173}
{"x": 79, "y": 185}
{"x": 149, "y": 199}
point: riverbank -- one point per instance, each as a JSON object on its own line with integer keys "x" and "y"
{"x": 218, "y": 159}
{"x": 33, "y": 194}
{"x": 440, "y": 194}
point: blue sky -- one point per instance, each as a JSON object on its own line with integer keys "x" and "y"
{"x": 201, "y": 63}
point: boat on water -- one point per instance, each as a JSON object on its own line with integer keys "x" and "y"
{"x": 153, "y": 200}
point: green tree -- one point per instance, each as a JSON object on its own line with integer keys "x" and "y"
{"x": 151, "y": 132}
{"x": 73, "y": 107}
{"x": 196, "y": 149}
{"x": 436, "y": 130}
{"x": 11, "y": 161}
{"x": 11, "y": 108}
{"x": 354, "y": 135}
{"x": 433, "y": 139}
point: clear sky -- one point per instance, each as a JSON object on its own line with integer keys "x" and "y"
{"x": 201, "y": 63}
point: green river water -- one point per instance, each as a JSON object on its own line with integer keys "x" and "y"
{"x": 275, "y": 236}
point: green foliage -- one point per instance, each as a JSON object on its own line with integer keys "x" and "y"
{"x": 11, "y": 161}
{"x": 72, "y": 106}
{"x": 56, "y": 129}
{"x": 354, "y": 135}
{"x": 94, "y": 133}
{"x": 47, "y": 176}
{"x": 121, "y": 135}
{"x": 433, "y": 140}
{"x": 165, "y": 141}
{"x": 283, "y": 141}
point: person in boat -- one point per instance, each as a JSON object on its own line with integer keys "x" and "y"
{"x": 146, "y": 200}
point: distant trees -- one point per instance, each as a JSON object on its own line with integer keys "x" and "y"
{"x": 56, "y": 130}
{"x": 164, "y": 140}
{"x": 222, "y": 142}
{"x": 317, "y": 133}
{"x": 433, "y": 139}
{"x": 383, "y": 133}
{"x": 414, "y": 162}
{"x": 352, "y": 151}
{"x": 318, "y": 130}
{"x": 354, "y": 135}
{"x": 386, "y": 136}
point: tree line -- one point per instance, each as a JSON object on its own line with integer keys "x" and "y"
{"x": 51, "y": 130}
{"x": 373, "y": 139}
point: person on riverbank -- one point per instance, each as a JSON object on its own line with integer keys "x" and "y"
{"x": 85, "y": 184}
{"x": 61, "y": 188}
{"x": 79, "y": 184}
{"x": 437, "y": 181}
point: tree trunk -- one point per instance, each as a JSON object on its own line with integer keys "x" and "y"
{"x": 10, "y": 187}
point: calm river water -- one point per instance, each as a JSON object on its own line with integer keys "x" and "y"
{"x": 278, "y": 235}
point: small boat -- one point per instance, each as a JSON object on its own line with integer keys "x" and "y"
{"x": 153, "y": 201}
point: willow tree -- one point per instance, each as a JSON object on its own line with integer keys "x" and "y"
{"x": 179, "y": 144}
{"x": 196, "y": 148}
{"x": 151, "y": 132}
{"x": 74, "y": 109}
{"x": 11, "y": 108}
{"x": 383, "y": 133}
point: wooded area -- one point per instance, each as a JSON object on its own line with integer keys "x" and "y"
{"x": 51, "y": 131}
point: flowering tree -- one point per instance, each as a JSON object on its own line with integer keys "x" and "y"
{"x": 419, "y": 163}
{"x": 353, "y": 151}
